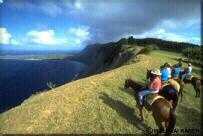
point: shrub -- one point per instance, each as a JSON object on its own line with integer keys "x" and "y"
{"x": 192, "y": 53}
{"x": 148, "y": 49}
{"x": 51, "y": 85}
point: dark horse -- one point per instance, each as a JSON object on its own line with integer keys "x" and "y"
{"x": 196, "y": 82}
{"x": 168, "y": 91}
{"x": 161, "y": 109}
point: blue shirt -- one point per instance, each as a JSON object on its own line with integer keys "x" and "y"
{"x": 176, "y": 71}
{"x": 164, "y": 75}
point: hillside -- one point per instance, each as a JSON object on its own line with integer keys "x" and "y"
{"x": 99, "y": 104}
{"x": 103, "y": 57}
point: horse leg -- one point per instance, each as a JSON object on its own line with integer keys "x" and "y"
{"x": 181, "y": 90}
{"x": 181, "y": 96}
{"x": 159, "y": 124}
{"x": 198, "y": 85}
{"x": 198, "y": 92}
{"x": 166, "y": 124}
{"x": 141, "y": 114}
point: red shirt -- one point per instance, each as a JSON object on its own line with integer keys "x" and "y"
{"x": 155, "y": 84}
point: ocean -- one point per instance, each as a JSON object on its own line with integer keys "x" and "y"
{"x": 19, "y": 79}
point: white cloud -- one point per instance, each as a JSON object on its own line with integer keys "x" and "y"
{"x": 161, "y": 31}
{"x": 46, "y": 37}
{"x": 78, "y": 41}
{"x": 81, "y": 34}
{"x": 15, "y": 42}
{"x": 78, "y": 4}
{"x": 5, "y": 36}
{"x": 1, "y": 1}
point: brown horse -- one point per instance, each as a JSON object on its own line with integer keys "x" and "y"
{"x": 168, "y": 91}
{"x": 196, "y": 82}
{"x": 161, "y": 109}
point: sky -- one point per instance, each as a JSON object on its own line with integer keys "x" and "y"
{"x": 73, "y": 24}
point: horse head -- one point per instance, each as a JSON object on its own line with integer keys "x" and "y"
{"x": 127, "y": 83}
{"x": 134, "y": 85}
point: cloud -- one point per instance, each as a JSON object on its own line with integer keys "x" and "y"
{"x": 163, "y": 34}
{"x": 78, "y": 4}
{"x": 16, "y": 42}
{"x": 1, "y": 1}
{"x": 46, "y": 37}
{"x": 109, "y": 20}
{"x": 81, "y": 34}
{"x": 5, "y": 36}
{"x": 49, "y": 7}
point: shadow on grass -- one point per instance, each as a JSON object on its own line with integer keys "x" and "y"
{"x": 124, "y": 111}
{"x": 188, "y": 117}
{"x": 128, "y": 91}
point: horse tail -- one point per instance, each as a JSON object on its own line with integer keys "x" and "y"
{"x": 171, "y": 123}
{"x": 175, "y": 99}
{"x": 201, "y": 81}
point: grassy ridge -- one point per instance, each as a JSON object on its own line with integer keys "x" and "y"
{"x": 98, "y": 104}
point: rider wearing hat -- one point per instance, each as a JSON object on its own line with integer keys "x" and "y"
{"x": 188, "y": 72}
{"x": 153, "y": 87}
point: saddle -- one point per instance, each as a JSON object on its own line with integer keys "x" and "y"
{"x": 150, "y": 99}
{"x": 171, "y": 82}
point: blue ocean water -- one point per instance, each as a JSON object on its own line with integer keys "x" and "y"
{"x": 19, "y": 79}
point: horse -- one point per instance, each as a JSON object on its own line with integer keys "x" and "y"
{"x": 168, "y": 91}
{"x": 162, "y": 111}
{"x": 196, "y": 83}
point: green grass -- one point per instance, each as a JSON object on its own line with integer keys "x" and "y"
{"x": 98, "y": 104}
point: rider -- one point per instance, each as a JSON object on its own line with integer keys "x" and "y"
{"x": 164, "y": 74}
{"x": 168, "y": 67}
{"x": 153, "y": 87}
{"x": 176, "y": 71}
{"x": 188, "y": 72}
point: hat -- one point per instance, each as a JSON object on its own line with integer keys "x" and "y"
{"x": 180, "y": 59}
{"x": 189, "y": 64}
{"x": 169, "y": 65}
{"x": 156, "y": 72}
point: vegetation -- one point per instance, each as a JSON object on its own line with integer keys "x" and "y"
{"x": 51, "y": 85}
{"x": 162, "y": 44}
{"x": 148, "y": 49}
{"x": 99, "y": 104}
{"x": 194, "y": 55}
{"x": 104, "y": 57}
